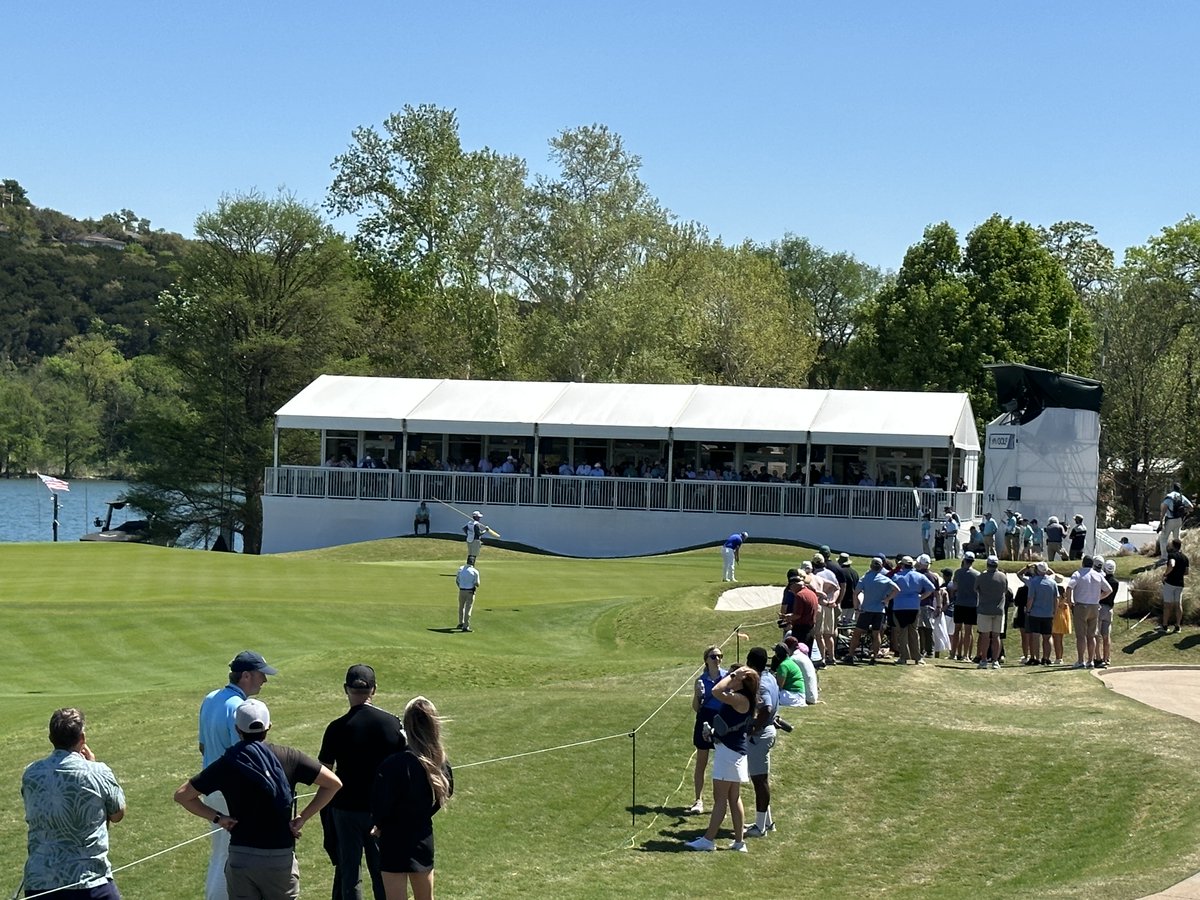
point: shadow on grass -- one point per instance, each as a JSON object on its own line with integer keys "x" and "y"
{"x": 1146, "y": 639}
{"x": 453, "y": 629}
{"x": 1188, "y": 642}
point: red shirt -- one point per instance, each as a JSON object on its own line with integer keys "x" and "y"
{"x": 804, "y": 607}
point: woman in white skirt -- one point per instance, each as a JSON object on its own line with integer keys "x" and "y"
{"x": 738, "y": 693}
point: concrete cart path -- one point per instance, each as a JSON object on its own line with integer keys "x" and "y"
{"x": 1172, "y": 689}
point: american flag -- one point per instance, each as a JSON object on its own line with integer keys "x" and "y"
{"x": 55, "y": 484}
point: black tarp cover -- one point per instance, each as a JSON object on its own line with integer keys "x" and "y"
{"x": 1027, "y": 390}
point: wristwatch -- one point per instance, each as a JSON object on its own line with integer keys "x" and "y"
{"x": 216, "y": 818}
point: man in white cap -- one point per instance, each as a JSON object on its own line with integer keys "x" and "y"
{"x": 1106, "y": 614}
{"x": 258, "y": 780}
{"x": 474, "y": 530}
{"x": 731, "y": 553}
{"x": 914, "y": 587}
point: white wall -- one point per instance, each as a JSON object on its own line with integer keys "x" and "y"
{"x": 1055, "y": 460}
{"x": 298, "y": 523}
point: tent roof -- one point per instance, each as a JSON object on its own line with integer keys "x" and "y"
{"x": 648, "y": 411}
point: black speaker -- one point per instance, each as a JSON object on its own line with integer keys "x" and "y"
{"x": 1014, "y": 493}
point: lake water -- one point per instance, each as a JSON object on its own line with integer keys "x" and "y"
{"x": 27, "y": 509}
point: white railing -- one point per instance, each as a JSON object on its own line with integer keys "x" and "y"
{"x": 476, "y": 489}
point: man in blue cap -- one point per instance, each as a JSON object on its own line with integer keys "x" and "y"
{"x": 248, "y": 672}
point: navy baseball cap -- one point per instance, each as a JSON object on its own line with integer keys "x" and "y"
{"x": 249, "y": 661}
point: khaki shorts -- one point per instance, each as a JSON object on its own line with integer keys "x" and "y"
{"x": 992, "y": 624}
{"x": 1086, "y": 616}
{"x": 1172, "y": 594}
{"x": 828, "y": 620}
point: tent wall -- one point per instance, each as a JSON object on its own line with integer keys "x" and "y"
{"x": 1052, "y": 460}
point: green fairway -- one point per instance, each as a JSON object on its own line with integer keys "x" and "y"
{"x": 937, "y": 781}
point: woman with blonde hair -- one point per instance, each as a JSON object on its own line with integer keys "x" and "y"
{"x": 705, "y": 707}
{"x": 410, "y": 787}
{"x": 738, "y": 694}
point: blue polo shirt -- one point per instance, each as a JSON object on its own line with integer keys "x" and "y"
{"x": 875, "y": 587}
{"x": 912, "y": 585}
{"x": 1043, "y": 596}
{"x": 734, "y": 541}
{"x": 217, "y": 732}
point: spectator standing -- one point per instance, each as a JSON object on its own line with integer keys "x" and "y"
{"x": 70, "y": 800}
{"x": 850, "y": 593}
{"x": 761, "y": 739}
{"x": 1172, "y": 589}
{"x": 806, "y": 605}
{"x": 824, "y": 581}
{"x": 990, "y": 589}
{"x": 965, "y": 608}
{"x": 1173, "y": 508}
{"x": 1055, "y": 533}
{"x": 930, "y": 608}
{"x": 877, "y": 591}
{"x": 705, "y": 707}
{"x": 914, "y": 587}
{"x": 738, "y": 693}
{"x": 988, "y": 531}
{"x": 1106, "y": 614}
{"x": 1078, "y": 538}
{"x": 354, "y": 745}
{"x": 1040, "y": 606}
{"x": 1012, "y": 534}
{"x": 950, "y": 526}
{"x": 248, "y": 673}
{"x": 731, "y": 553}
{"x": 258, "y": 780}
{"x": 467, "y": 580}
{"x": 927, "y": 533}
{"x": 409, "y": 790}
{"x": 1084, "y": 591}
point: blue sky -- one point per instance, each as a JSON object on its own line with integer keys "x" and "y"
{"x": 855, "y": 125}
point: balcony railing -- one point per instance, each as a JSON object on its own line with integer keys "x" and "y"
{"x": 476, "y": 489}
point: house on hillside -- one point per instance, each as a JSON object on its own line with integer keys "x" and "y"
{"x": 97, "y": 240}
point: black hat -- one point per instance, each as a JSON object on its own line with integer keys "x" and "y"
{"x": 360, "y": 677}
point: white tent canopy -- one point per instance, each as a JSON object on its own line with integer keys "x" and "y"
{"x": 647, "y": 411}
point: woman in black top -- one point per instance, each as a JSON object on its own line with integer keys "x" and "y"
{"x": 409, "y": 788}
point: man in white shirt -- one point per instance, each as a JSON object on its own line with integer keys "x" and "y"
{"x": 467, "y": 580}
{"x": 1084, "y": 591}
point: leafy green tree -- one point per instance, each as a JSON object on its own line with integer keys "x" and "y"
{"x": 71, "y": 424}
{"x": 827, "y": 291}
{"x": 1088, "y": 263}
{"x": 264, "y": 301}
{"x": 20, "y": 421}
{"x": 952, "y": 310}
{"x": 431, "y": 221}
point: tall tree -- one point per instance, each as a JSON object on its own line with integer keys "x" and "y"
{"x": 951, "y": 310}
{"x": 827, "y": 291}
{"x": 1088, "y": 263}
{"x": 430, "y": 219}
{"x": 264, "y": 301}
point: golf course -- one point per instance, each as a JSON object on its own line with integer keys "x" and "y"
{"x": 941, "y": 780}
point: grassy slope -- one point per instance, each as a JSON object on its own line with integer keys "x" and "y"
{"x": 1012, "y": 783}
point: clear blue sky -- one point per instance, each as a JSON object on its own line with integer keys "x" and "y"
{"x": 855, "y": 125}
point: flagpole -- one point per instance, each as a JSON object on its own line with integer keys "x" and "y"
{"x": 54, "y": 494}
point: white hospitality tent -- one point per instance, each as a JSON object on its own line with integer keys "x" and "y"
{"x": 409, "y": 421}
{"x": 662, "y": 411}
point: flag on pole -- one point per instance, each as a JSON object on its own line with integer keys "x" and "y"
{"x": 55, "y": 484}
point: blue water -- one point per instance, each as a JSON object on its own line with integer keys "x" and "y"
{"x": 27, "y": 509}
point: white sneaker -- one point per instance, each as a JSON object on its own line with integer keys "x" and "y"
{"x": 697, "y": 807}
{"x": 702, "y": 843}
{"x": 739, "y": 846}
{"x": 996, "y": 664}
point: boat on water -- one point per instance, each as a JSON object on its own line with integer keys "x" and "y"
{"x": 135, "y": 531}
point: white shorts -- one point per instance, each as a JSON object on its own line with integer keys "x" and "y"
{"x": 730, "y": 766}
{"x": 792, "y": 698}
